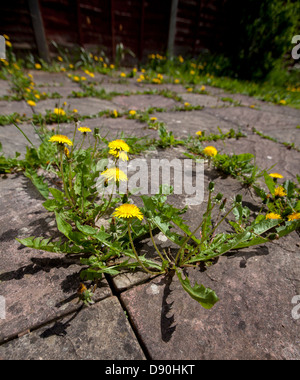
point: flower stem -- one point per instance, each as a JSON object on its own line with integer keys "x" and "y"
{"x": 154, "y": 244}
{"x": 63, "y": 178}
{"x": 135, "y": 253}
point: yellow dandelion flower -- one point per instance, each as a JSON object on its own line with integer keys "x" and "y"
{"x": 199, "y": 133}
{"x": 8, "y": 44}
{"x": 123, "y": 75}
{"x": 189, "y": 89}
{"x": 38, "y": 66}
{"x": 294, "y": 216}
{"x": 84, "y": 129}
{"x": 119, "y": 154}
{"x": 4, "y": 62}
{"x": 153, "y": 119}
{"x": 76, "y": 78}
{"x": 280, "y": 192}
{"x": 273, "y": 215}
{"x": 283, "y": 102}
{"x": 275, "y": 175}
{"x": 210, "y": 151}
{"x": 75, "y": 110}
{"x": 176, "y": 81}
{"x": 115, "y": 174}
{"x": 60, "y": 59}
{"x": 37, "y": 96}
{"x": 83, "y": 78}
{"x": 186, "y": 104}
{"x": 123, "y": 156}
{"x": 128, "y": 211}
{"x": 115, "y": 113}
{"x": 31, "y": 103}
{"x": 59, "y": 112}
{"x": 132, "y": 112}
{"x": 112, "y": 66}
{"x": 119, "y": 145}
{"x": 71, "y": 66}
{"x": 61, "y": 139}
{"x": 202, "y": 88}
{"x": 6, "y": 36}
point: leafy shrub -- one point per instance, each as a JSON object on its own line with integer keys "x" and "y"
{"x": 260, "y": 34}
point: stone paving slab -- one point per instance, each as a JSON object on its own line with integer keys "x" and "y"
{"x": 119, "y": 87}
{"x": 142, "y": 102}
{"x": 186, "y": 123}
{"x": 111, "y": 128}
{"x": 251, "y": 321}
{"x": 84, "y": 106}
{"x": 20, "y": 107}
{"x": 13, "y": 141}
{"x": 203, "y": 100}
{"x": 243, "y": 100}
{"x": 43, "y": 78}
{"x": 64, "y": 91}
{"x": 99, "y": 332}
{"x": 277, "y": 125}
{"x": 267, "y": 153}
{"x": 37, "y": 286}
{"x": 4, "y": 87}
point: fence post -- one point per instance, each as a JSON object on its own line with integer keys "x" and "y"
{"x": 38, "y": 28}
{"x": 172, "y": 27}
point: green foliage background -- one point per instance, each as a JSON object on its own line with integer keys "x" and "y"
{"x": 260, "y": 35}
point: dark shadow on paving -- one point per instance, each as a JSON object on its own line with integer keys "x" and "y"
{"x": 245, "y": 256}
{"x": 59, "y": 328}
{"x": 9, "y": 235}
{"x": 37, "y": 265}
{"x": 166, "y": 323}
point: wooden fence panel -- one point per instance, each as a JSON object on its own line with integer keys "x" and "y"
{"x": 141, "y": 25}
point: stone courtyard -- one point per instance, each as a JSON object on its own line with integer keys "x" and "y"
{"x": 136, "y": 317}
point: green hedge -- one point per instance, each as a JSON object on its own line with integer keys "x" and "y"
{"x": 259, "y": 34}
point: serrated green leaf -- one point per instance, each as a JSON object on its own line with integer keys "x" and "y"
{"x": 87, "y": 230}
{"x": 64, "y": 227}
{"x": 51, "y": 205}
{"x": 57, "y": 194}
{"x": 205, "y": 296}
{"x": 38, "y": 182}
{"x": 269, "y": 182}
